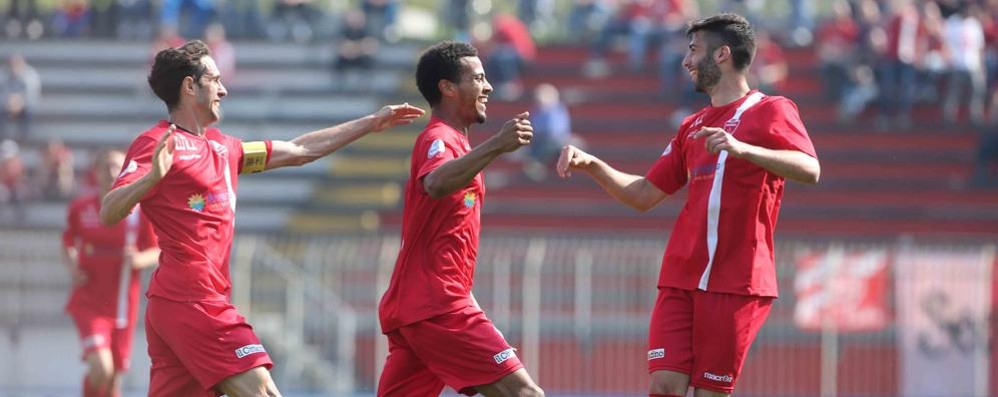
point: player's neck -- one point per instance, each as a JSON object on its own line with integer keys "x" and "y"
{"x": 187, "y": 120}
{"x": 732, "y": 87}
{"x": 450, "y": 117}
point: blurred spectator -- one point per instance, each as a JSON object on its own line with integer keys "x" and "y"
{"x": 168, "y": 37}
{"x": 13, "y": 190}
{"x": 587, "y": 18}
{"x": 897, "y": 70}
{"x": 769, "y": 68}
{"x": 294, "y": 20}
{"x": 538, "y": 15}
{"x": 836, "y": 45}
{"x": 801, "y": 22}
{"x": 552, "y": 130}
{"x": 20, "y": 92}
{"x": 198, "y": 14}
{"x": 55, "y": 175}
{"x": 510, "y": 50}
{"x": 931, "y": 64}
{"x": 382, "y": 16}
{"x": 71, "y": 18}
{"x": 456, "y": 14}
{"x": 986, "y": 165}
{"x": 965, "y": 39}
{"x": 222, "y": 51}
{"x": 641, "y": 22}
{"x": 23, "y": 18}
{"x": 134, "y": 19}
{"x": 355, "y": 49}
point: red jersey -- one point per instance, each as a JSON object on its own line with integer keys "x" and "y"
{"x": 192, "y": 209}
{"x": 101, "y": 256}
{"x": 723, "y": 237}
{"x": 436, "y": 263}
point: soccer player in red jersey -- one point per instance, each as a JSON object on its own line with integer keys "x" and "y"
{"x": 185, "y": 174}
{"x": 437, "y": 333}
{"x": 104, "y": 263}
{"x": 718, "y": 278}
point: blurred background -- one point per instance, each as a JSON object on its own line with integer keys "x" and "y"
{"x": 886, "y": 266}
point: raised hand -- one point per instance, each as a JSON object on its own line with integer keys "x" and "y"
{"x": 162, "y": 157}
{"x": 716, "y": 139}
{"x": 572, "y": 158}
{"x": 517, "y": 132}
{"x": 395, "y": 115}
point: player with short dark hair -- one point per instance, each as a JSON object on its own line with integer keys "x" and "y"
{"x": 718, "y": 278}
{"x": 437, "y": 333}
{"x": 185, "y": 174}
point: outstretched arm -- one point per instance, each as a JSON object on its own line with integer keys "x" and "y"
{"x": 457, "y": 173}
{"x": 633, "y": 190}
{"x": 118, "y": 203}
{"x": 316, "y": 144}
{"x": 790, "y": 164}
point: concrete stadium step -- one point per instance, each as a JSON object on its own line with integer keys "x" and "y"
{"x": 370, "y": 167}
{"x": 260, "y": 218}
{"x": 317, "y": 222}
{"x": 368, "y": 196}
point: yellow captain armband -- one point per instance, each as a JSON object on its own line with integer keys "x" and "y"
{"x": 254, "y": 157}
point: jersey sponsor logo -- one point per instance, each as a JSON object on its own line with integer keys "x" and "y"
{"x": 196, "y": 202}
{"x": 703, "y": 172}
{"x": 436, "y": 148}
{"x": 249, "y": 349}
{"x": 212, "y": 200}
{"x": 668, "y": 149}
{"x": 469, "y": 199}
{"x": 731, "y": 125}
{"x": 718, "y": 378}
{"x": 656, "y": 354}
{"x": 189, "y": 156}
{"x": 182, "y": 144}
{"x": 504, "y": 355}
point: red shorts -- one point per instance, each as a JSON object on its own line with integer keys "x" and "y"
{"x": 196, "y": 345}
{"x": 705, "y": 335}
{"x": 460, "y": 349}
{"x": 99, "y": 332}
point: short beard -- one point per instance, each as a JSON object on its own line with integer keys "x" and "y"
{"x": 708, "y": 74}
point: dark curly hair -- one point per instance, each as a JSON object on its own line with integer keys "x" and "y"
{"x": 441, "y": 62}
{"x": 172, "y": 65}
{"x": 730, "y": 30}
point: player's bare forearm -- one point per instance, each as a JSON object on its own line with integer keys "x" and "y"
{"x": 316, "y": 144}
{"x": 145, "y": 258}
{"x": 634, "y": 191}
{"x": 458, "y": 173}
{"x": 790, "y": 164}
{"x": 118, "y": 203}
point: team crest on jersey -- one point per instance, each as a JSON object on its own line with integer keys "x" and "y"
{"x": 469, "y": 199}
{"x": 731, "y": 125}
{"x": 196, "y": 202}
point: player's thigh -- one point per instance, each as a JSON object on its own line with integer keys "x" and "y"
{"x": 463, "y": 348}
{"x": 404, "y": 374}
{"x": 255, "y": 382}
{"x": 725, "y": 326}
{"x": 211, "y": 340}
{"x": 518, "y": 384}
{"x": 670, "y": 332}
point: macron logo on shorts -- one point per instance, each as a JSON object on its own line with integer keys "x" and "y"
{"x": 656, "y": 353}
{"x": 249, "y": 349}
{"x": 718, "y": 378}
{"x": 504, "y": 355}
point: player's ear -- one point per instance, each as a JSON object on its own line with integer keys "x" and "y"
{"x": 187, "y": 86}
{"x": 722, "y": 54}
{"x": 447, "y": 88}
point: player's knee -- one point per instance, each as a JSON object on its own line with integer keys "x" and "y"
{"x": 100, "y": 374}
{"x": 531, "y": 391}
{"x": 668, "y": 385}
